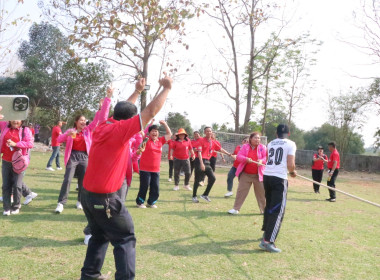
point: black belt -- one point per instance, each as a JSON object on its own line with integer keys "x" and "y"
{"x": 100, "y": 195}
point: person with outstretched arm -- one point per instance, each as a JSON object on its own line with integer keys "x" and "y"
{"x": 280, "y": 160}
{"x": 106, "y": 213}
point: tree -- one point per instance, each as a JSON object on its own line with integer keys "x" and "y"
{"x": 176, "y": 121}
{"x": 52, "y": 79}
{"x": 123, "y": 31}
{"x": 327, "y": 133}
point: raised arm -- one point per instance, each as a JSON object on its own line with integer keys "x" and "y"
{"x": 168, "y": 134}
{"x": 156, "y": 104}
{"x": 140, "y": 85}
{"x": 102, "y": 115}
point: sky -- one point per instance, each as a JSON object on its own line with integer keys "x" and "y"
{"x": 338, "y": 65}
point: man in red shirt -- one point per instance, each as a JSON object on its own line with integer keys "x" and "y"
{"x": 214, "y": 155}
{"x": 333, "y": 166}
{"x": 205, "y": 147}
{"x": 318, "y": 167}
{"x": 107, "y": 216}
{"x": 56, "y": 131}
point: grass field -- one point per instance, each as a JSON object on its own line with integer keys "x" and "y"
{"x": 182, "y": 240}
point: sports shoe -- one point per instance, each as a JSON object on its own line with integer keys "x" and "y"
{"x": 228, "y": 194}
{"x": 1, "y": 198}
{"x": 187, "y": 187}
{"x": 269, "y": 247}
{"x": 78, "y": 205}
{"x": 6, "y": 213}
{"x": 233, "y": 212}
{"x": 195, "y": 199}
{"x": 50, "y": 168}
{"x": 59, "y": 168}
{"x": 30, "y": 197}
{"x": 182, "y": 173}
{"x": 205, "y": 197}
{"x": 331, "y": 199}
{"x": 59, "y": 208}
{"x": 140, "y": 206}
{"x": 170, "y": 179}
{"x": 16, "y": 211}
{"x": 87, "y": 239}
{"x": 152, "y": 206}
{"x": 202, "y": 183}
{"x": 176, "y": 188}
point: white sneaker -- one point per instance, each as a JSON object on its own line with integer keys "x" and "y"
{"x": 50, "y": 168}
{"x": 170, "y": 179}
{"x": 233, "y": 212}
{"x": 228, "y": 194}
{"x": 87, "y": 239}
{"x": 176, "y": 188}
{"x": 30, "y": 197}
{"x": 79, "y": 205}
{"x": 187, "y": 187}
{"x": 140, "y": 206}
{"x": 15, "y": 212}
{"x": 59, "y": 168}
{"x": 7, "y": 213}
{"x": 59, "y": 208}
{"x": 1, "y": 198}
{"x": 202, "y": 183}
{"x": 152, "y": 206}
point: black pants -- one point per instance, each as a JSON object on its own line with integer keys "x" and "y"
{"x": 276, "y": 190}
{"x": 171, "y": 165}
{"x": 331, "y": 183}
{"x": 213, "y": 163}
{"x": 192, "y": 166}
{"x": 77, "y": 161}
{"x": 151, "y": 181}
{"x": 183, "y": 165}
{"x": 12, "y": 184}
{"x": 317, "y": 176}
{"x": 200, "y": 175}
{"x": 118, "y": 229}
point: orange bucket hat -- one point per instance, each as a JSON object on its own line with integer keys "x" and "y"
{"x": 181, "y": 131}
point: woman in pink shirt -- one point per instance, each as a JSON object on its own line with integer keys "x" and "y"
{"x": 13, "y": 137}
{"x": 250, "y": 173}
{"x": 78, "y": 143}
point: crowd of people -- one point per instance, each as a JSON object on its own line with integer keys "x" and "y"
{"x": 103, "y": 155}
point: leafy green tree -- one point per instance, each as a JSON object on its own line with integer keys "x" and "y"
{"x": 52, "y": 79}
{"x": 176, "y": 121}
{"x": 123, "y": 31}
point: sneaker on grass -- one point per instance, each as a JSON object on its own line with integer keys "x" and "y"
{"x": 50, "y": 168}
{"x": 228, "y": 194}
{"x": 59, "y": 208}
{"x": 205, "y": 197}
{"x": 269, "y": 247}
{"x": 233, "y": 212}
{"x": 170, "y": 179}
{"x": 195, "y": 199}
{"x": 87, "y": 239}
{"x": 176, "y": 188}
{"x": 15, "y": 212}
{"x": 140, "y": 206}
{"x": 187, "y": 187}
{"x": 59, "y": 168}
{"x": 7, "y": 213}
{"x": 152, "y": 206}
{"x": 78, "y": 205}
{"x": 30, "y": 197}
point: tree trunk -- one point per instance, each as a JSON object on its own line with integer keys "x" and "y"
{"x": 265, "y": 103}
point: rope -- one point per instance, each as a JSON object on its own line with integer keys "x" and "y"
{"x": 330, "y": 188}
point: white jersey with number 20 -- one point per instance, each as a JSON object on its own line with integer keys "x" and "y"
{"x": 278, "y": 152}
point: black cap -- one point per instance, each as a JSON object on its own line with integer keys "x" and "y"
{"x": 320, "y": 147}
{"x": 282, "y": 129}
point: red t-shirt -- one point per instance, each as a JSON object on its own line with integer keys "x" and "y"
{"x": 78, "y": 142}
{"x": 215, "y": 154}
{"x": 206, "y": 147}
{"x": 109, "y": 156}
{"x": 318, "y": 164}
{"x": 32, "y": 130}
{"x": 251, "y": 168}
{"x": 193, "y": 144}
{"x": 12, "y": 134}
{"x": 56, "y": 131}
{"x": 334, "y": 157}
{"x": 151, "y": 158}
{"x": 236, "y": 163}
{"x": 181, "y": 149}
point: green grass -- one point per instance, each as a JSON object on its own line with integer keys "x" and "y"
{"x": 182, "y": 240}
